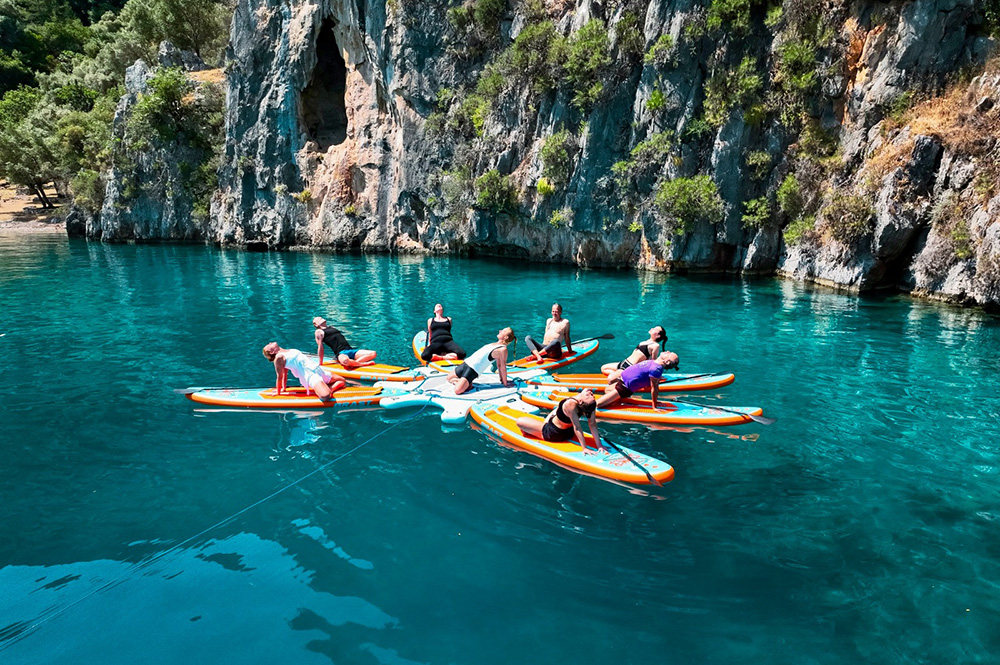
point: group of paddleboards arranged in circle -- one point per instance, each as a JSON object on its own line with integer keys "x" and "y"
{"x": 522, "y": 401}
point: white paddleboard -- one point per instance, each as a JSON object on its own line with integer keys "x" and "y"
{"x": 436, "y": 390}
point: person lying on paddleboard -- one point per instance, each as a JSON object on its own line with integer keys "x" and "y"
{"x": 440, "y": 345}
{"x": 645, "y": 350}
{"x": 346, "y": 354}
{"x": 307, "y": 370}
{"x": 556, "y": 332}
{"x": 622, "y": 383}
{"x": 479, "y": 362}
{"x": 564, "y": 421}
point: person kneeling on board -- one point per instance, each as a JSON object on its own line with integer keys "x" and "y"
{"x": 645, "y": 350}
{"x": 346, "y": 355}
{"x": 479, "y": 362}
{"x": 556, "y": 332}
{"x": 623, "y": 383}
{"x": 307, "y": 370}
{"x": 564, "y": 421}
{"x": 440, "y": 345}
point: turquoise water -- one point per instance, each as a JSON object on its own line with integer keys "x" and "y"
{"x": 863, "y": 525}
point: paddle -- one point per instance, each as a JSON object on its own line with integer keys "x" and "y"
{"x": 763, "y": 420}
{"x": 591, "y": 339}
{"x": 630, "y": 459}
{"x": 191, "y": 391}
{"x": 692, "y": 377}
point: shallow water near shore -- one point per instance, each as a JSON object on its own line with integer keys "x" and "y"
{"x": 862, "y": 526}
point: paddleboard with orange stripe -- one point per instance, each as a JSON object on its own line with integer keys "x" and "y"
{"x": 293, "y": 397}
{"x": 672, "y": 383}
{"x": 580, "y": 350}
{"x": 501, "y": 422}
{"x": 641, "y": 410}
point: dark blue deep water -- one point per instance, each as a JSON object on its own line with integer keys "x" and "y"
{"x": 863, "y": 527}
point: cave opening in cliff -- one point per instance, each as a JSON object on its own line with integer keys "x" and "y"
{"x": 324, "y": 110}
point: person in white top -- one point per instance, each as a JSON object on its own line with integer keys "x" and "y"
{"x": 479, "y": 362}
{"x": 307, "y": 370}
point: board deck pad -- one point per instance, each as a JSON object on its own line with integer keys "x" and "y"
{"x": 673, "y": 383}
{"x": 293, "y": 397}
{"x": 376, "y": 372}
{"x": 634, "y": 409}
{"x": 501, "y": 422}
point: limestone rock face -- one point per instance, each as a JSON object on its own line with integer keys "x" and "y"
{"x": 148, "y": 197}
{"x": 345, "y": 129}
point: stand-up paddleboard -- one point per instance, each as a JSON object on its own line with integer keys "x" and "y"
{"x": 641, "y": 410}
{"x": 580, "y": 350}
{"x": 438, "y": 391}
{"x": 673, "y": 383}
{"x": 293, "y": 397}
{"x": 502, "y": 422}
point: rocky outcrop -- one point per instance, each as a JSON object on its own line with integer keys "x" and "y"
{"x": 162, "y": 167}
{"x": 364, "y": 125}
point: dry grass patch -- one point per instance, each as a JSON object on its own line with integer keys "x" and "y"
{"x": 953, "y": 120}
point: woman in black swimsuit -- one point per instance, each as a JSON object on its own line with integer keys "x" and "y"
{"x": 564, "y": 421}
{"x": 645, "y": 350}
{"x": 440, "y": 345}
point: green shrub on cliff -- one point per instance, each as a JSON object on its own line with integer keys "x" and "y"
{"x": 731, "y": 15}
{"x": 646, "y": 158}
{"x": 629, "y": 38}
{"x": 756, "y": 213}
{"x": 800, "y": 229}
{"x": 661, "y": 53}
{"x": 495, "y": 192}
{"x": 848, "y": 217}
{"x": 685, "y": 201}
{"x": 557, "y": 157}
{"x": 587, "y": 61}
{"x": 731, "y": 89}
{"x": 160, "y": 110}
{"x": 790, "y": 199}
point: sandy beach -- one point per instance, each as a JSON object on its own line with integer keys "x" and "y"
{"x": 23, "y": 213}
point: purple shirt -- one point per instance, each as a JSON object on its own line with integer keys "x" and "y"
{"x": 640, "y": 375}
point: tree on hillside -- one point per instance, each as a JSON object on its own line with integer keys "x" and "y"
{"x": 26, "y": 154}
{"x": 201, "y": 26}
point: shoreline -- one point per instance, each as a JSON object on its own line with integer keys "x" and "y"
{"x": 35, "y": 223}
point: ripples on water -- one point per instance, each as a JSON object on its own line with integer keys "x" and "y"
{"x": 861, "y": 527}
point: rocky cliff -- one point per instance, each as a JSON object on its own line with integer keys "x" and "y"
{"x": 845, "y": 143}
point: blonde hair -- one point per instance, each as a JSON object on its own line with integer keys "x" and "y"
{"x": 511, "y": 341}
{"x": 269, "y": 356}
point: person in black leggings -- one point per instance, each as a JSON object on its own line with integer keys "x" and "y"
{"x": 440, "y": 345}
{"x": 564, "y": 421}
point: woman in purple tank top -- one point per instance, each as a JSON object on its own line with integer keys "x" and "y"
{"x": 641, "y": 376}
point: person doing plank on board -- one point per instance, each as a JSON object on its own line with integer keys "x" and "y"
{"x": 645, "y": 350}
{"x": 479, "y": 362}
{"x": 440, "y": 345}
{"x": 556, "y": 332}
{"x": 345, "y": 354}
{"x": 564, "y": 421}
{"x": 622, "y": 383}
{"x": 307, "y": 370}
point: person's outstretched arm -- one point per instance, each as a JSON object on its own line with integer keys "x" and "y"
{"x": 281, "y": 376}
{"x": 319, "y": 344}
{"x": 501, "y": 358}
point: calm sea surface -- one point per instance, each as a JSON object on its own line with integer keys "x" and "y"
{"x": 864, "y": 526}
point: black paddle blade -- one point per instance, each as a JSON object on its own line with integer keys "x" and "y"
{"x": 763, "y": 420}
